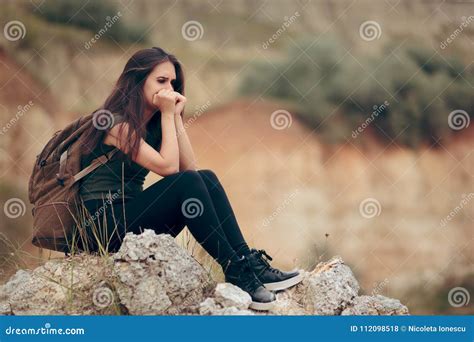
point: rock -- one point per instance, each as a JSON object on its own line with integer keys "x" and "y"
{"x": 232, "y": 311}
{"x": 330, "y": 288}
{"x": 157, "y": 276}
{"x": 210, "y": 307}
{"x": 58, "y": 287}
{"x": 289, "y": 302}
{"x": 227, "y": 294}
{"x": 376, "y": 305}
{"x": 5, "y": 309}
{"x": 152, "y": 275}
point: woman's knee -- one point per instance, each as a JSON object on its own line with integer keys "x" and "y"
{"x": 189, "y": 180}
{"x": 187, "y": 175}
{"x": 192, "y": 180}
{"x": 208, "y": 175}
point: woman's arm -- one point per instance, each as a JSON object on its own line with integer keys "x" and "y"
{"x": 187, "y": 160}
{"x": 165, "y": 162}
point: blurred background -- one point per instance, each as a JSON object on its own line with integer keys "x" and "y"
{"x": 336, "y": 127}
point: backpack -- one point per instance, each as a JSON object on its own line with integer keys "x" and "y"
{"x": 53, "y": 187}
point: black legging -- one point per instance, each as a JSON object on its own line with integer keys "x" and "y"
{"x": 195, "y": 199}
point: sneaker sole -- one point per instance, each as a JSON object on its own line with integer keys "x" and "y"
{"x": 282, "y": 285}
{"x": 260, "y": 306}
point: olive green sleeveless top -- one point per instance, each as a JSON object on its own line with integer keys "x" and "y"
{"x": 116, "y": 179}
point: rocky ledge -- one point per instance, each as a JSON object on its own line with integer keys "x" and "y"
{"x": 152, "y": 275}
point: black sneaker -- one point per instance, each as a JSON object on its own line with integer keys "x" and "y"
{"x": 272, "y": 278}
{"x": 240, "y": 274}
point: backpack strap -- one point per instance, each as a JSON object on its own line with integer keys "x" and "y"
{"x": 62, "y": 167}
{"x": 95, "y": 164}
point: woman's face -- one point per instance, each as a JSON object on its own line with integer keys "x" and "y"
{"x": 163, "y": 76}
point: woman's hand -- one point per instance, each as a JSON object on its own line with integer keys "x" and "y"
{"x": 165, "y": 101}
{"x": 180, "y": 102}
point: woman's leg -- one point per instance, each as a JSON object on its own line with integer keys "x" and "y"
{"x": 166, "y": 206}
{"x": 184, "y": 199}
{"x": 224, "y": 212}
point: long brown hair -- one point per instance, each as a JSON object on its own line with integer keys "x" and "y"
{"x": 128, "y": 100}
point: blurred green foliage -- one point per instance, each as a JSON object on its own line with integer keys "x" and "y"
{"x": 93, "y": 15}
{"x": 337, "y": 90}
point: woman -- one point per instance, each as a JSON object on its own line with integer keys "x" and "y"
{"x": 145, "y": 112}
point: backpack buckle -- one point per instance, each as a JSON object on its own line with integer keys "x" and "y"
{"x": 59, "y": 179}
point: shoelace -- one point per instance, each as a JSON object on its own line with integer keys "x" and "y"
{"x": 261, "y": 253}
